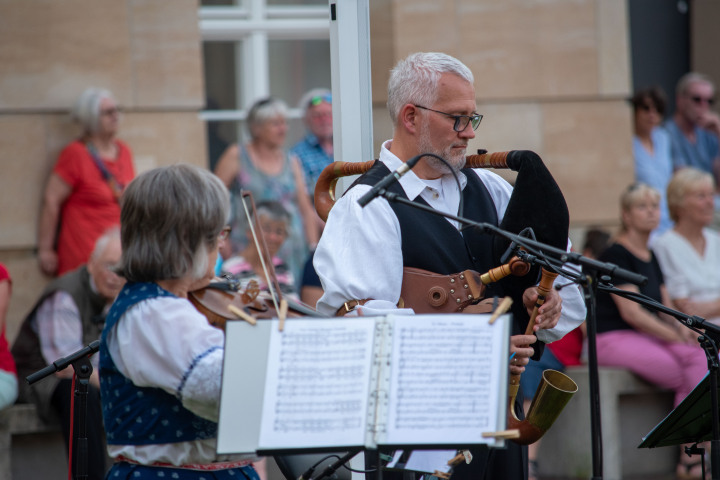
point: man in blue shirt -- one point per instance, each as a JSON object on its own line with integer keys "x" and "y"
{"x": 694, "y": 129}
{"x": 315, "y": 150}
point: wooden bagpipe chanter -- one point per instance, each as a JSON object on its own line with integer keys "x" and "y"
{"x": 536, "y": 202}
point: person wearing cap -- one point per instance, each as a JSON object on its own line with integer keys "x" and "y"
{"x": 315, "y": 150}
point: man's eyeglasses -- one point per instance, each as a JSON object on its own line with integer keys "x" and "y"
{"x": 318, "y": 99}
{"x": 461, "y": 121}
{"x": 698, "y": 100}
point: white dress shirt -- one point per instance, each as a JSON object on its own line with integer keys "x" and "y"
{"x": 359, "y": 255}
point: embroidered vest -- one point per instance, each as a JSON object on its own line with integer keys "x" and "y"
{"x": 142, "y": 415}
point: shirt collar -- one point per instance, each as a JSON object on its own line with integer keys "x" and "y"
{"x": 411, "y": 183}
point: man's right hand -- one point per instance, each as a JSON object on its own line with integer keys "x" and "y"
{"x": 710, "y": 121}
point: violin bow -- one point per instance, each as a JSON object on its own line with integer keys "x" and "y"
{"x": 265, "y": 260}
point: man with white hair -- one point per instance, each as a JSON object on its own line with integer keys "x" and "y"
{"x": 315, "y": 150}
{"x": 69, "y": 315}
{"x": 694, "y": 128}
{"x": 362, "y": 253}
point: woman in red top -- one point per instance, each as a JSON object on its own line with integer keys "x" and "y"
{"x": 82, "y": 194}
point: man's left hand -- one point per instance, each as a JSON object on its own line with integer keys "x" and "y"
{"x": 549, "y": 312}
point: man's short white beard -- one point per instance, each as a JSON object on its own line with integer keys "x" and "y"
{"x": 425, "y": 146}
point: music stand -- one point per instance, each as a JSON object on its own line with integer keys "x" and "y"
{"x": 689, "y": 422}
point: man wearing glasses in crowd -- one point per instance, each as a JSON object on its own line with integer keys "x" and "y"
{"x": 315, "y": 150}
{"x": 694, "y": 129}
{"x": 361, "y": 255}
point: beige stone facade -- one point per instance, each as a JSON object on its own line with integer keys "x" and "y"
{"x": 551, "y": 76}
{"x": 147, "y": 52}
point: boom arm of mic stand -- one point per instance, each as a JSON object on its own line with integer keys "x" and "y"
{"x": 691, "y": 321}
{"x": 610, "y": 269}
{"x": 63, "y": 363}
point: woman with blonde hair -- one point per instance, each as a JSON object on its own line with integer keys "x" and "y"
{"x": 689, "y": 254}
{"x": 653, "y": 346}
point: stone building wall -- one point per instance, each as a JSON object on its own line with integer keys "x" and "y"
{"x": 147, "y": 52}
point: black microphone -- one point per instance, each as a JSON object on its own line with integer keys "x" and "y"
{"x": 379, "y": 188}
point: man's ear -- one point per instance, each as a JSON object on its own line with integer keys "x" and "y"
{"x": 409, "y": 118}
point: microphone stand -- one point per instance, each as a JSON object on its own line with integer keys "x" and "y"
{"x": 708, "y": 340}
{"x": 332, "y": 468}
{"x": 589, "y": 284}
{"x": 80, "y": 361}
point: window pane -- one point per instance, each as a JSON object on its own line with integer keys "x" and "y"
{"x": 296, "y": 66}
{"x": 223, "y": 3}
{"x": 297, "y": 2}
{"x": 220, "y": 135}
{"x": 222, "y": 84}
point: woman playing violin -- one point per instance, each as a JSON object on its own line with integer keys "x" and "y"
{"x": 160, "y": 360}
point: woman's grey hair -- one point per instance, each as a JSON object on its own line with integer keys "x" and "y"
{"x": 304, "y": 103}
{"x": 415, "y": 79}
{"x": 170, "y": 217}
{"x": 682, "y": 182}
{"x": 87, "y": 108}
{"x": 264, "y": 110}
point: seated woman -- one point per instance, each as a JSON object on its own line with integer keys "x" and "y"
{"x": 653, "y": 346}
{"x": 160, "y": 360}
{"x": 689, "y": 253}
{"x": 274, "y": 221}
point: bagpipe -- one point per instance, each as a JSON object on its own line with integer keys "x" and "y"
{"x": 536, "y": 202}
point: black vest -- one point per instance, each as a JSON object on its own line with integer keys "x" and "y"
{"x": 429, "y": 241}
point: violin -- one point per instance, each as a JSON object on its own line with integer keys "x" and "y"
{"x": 223, "y": 300}
{"x": 216, "y": 301}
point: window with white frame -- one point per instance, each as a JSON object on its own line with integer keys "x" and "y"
{"x": 258, "y": 48}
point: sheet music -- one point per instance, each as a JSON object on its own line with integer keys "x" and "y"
{"x": 318, "y": 383}
{"x": 445, "y": 384}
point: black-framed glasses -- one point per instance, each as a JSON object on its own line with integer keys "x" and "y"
{"x": 461, "y": 121}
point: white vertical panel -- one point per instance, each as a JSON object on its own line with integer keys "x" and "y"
{"x": 351, "y": 87}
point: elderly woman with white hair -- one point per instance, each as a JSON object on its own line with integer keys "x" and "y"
{"x": 81, "y": 198}
{"x": 689, "y": 253}
{"x": 264, "y": 168}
